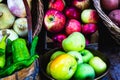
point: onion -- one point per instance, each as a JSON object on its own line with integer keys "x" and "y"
{"x": 12, "y": 35}
{"x": 17, "y": 7}
{"x": 20, "y": 26}
{"x": 6, "y": 17}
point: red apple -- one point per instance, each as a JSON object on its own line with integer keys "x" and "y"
{"x": 89, "y": 28}
{"x": 72, "y": 13}
{"x": 54, "y": 20}
{"x": 81, "y": 4}
{"x": 57, "y": 4}
{"x": 72, "y": 25}
{"x": 59, "y": 37}
{"x": 87, "y": 41}
{"x": 89, "y": 16}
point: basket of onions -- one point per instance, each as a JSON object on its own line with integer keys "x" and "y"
{"x": 20, "y": 20}
{"x": 109, "y": 11}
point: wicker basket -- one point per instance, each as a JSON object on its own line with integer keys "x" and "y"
{"x": 30, "y": 73}
{"x": 113, "y": 28}
{"x": 37, "y": 14}
{"x": 35, "y": 20}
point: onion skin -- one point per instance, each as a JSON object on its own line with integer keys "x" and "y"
{"x": 6, "y": 17}
{"x": 17, "y": 7}
{"x": 20, "y": 27}
{"x": 12, "y": 34}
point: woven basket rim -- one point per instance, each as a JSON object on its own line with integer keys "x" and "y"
{"x": 111, "y": 26}
{"x": 40, "y": 13}
{"x": 40, "y": 10}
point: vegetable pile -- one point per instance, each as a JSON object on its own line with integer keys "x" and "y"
{"x": 15, "y": 55}
{"x": 13, "y": 16}
{"x": 15, "y": 52}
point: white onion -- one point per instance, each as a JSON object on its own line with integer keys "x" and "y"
{"x": 20, "y": 26}
{"x": 12, "y": 34}
{"x": 6, "y": 17}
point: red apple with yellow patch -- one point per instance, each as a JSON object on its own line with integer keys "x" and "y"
{"x": 54, "y": 20}
{"x": 89, "y": 16}
{"x": 81, "y": 4}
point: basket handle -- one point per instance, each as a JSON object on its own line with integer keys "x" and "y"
{"x": 29, "y": 21}
{"x": 113, "y": 28}
{"x": 40, "y": 14}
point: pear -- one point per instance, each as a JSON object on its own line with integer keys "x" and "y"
{"x": 74, "y": 42}
{"x": 6, "y": 17}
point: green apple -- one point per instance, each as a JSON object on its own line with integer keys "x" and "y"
{"x": 84, "y": 72}
{"x": 55, "y": 54}
{"x": 48, "y": 68}
{"x": 98, "y": 64}
{"x": 74, "y": 42}
{"x": 77, "y": 56}
{"x": 63, "y": 67}
{"x": 86, "y": 55}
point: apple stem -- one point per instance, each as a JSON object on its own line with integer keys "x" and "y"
{"x": 51, "y": 19}
{"x": 82, "y": 54}
{"x": 1, "y": 13}
{"x": 70, "y": 68}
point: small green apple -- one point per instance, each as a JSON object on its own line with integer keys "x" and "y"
{"x": 48, "y": 68}
{"x": 77, "y": 56}
{"x": 63, "y": 67}
{"x": 86, "y": 55}
{"x": 84, "y": 72}
{"x": 74, "y": 42}
{"x": 55, "y": 54}
{"x": 98, "y": 64}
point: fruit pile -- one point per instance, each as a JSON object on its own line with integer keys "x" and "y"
{"x": 64, "y": 17}
{"x": 112, "y": 9}
{"x": 75, "y": 61}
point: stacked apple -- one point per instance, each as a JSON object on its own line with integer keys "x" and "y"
{"x": 64, "y": 17}
{"x": 75, "y": 61}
